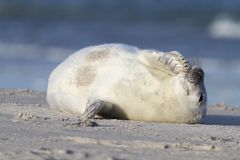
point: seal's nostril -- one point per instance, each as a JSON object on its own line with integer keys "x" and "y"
{"x": 200, "y": 98}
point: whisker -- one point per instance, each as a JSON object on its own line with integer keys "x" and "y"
{"x": 191, "y": 61}
{"x": 195, "y": 61}
{"x": 198, "y": 63}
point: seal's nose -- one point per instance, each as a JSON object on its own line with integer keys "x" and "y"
{"x": 195, "y": 75}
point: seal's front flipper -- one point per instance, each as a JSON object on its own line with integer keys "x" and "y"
{"x": 172, "y": 63}
{"x": 92, "y": 109}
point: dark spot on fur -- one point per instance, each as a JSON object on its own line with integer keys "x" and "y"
{"x": 98, "y": 54}
{"x": 85, "y": 75}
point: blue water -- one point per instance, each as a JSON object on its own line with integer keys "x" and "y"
{"x": 35, "y": 36}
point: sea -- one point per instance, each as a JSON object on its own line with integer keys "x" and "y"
{"x": 37, "y": 35}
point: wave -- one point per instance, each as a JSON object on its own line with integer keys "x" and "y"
{"x": 222, "y": 79}
{"x": 225, "y": 27}
{"x": 20, "y": 51}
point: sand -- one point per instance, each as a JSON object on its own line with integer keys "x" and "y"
{"x": 30, "y": 130}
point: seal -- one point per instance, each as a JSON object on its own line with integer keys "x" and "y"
{"x": 125, "y": 82}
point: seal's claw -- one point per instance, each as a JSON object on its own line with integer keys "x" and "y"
{"x": 85, "y": 123}
{"x": 169, "y": 62}
{"x": 89, "y": 123}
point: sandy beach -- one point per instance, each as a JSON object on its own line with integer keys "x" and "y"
{"x": 30, "y": 130}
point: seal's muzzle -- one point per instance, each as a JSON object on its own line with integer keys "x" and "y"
{"x": 195, "y": 75}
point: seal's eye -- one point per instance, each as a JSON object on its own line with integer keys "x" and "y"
{"x": 200, "y": 98}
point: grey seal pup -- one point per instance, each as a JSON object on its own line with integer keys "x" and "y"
{"x": 125, "y": 82}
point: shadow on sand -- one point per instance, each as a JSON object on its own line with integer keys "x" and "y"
{"x": 222, "y": 120}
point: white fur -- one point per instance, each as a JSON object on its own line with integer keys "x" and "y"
{"x": 142, "y": 83}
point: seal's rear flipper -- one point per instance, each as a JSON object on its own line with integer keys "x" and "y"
{"x": 92, "y": 109}
{"x": 172, "y": 63}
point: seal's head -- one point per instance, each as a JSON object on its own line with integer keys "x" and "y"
{"x": 196, "y": 91}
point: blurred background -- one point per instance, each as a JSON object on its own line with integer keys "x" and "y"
{"x": 36, "y": 35}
